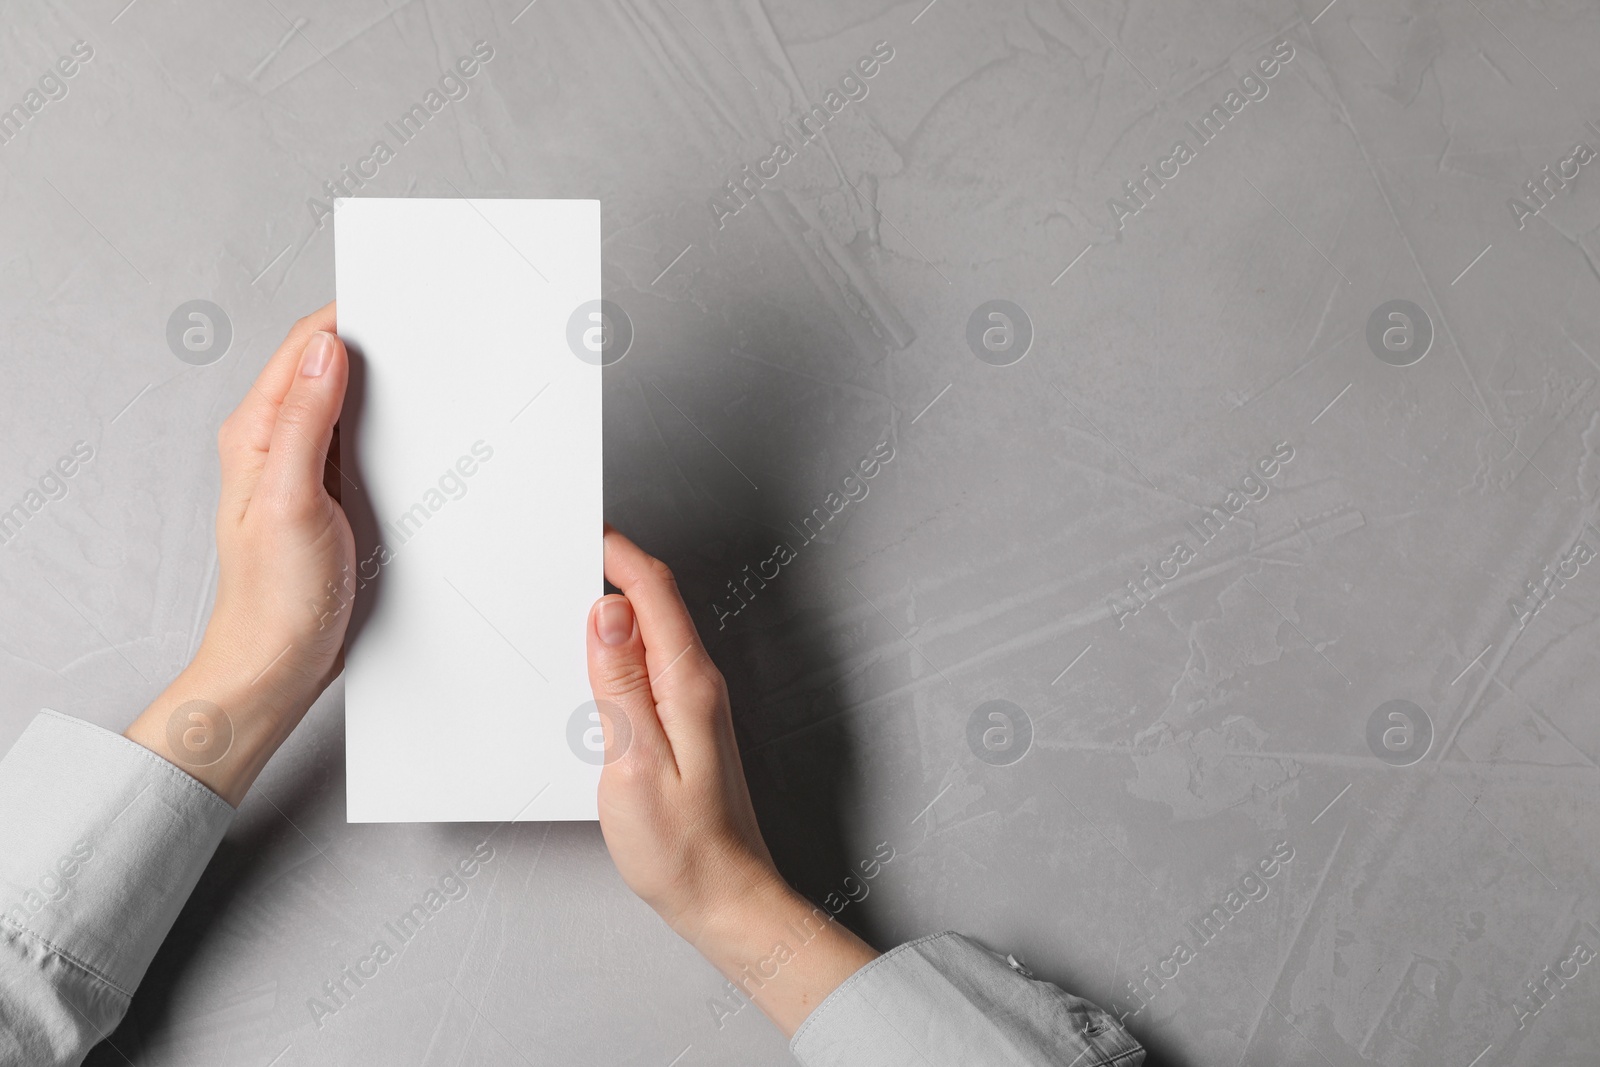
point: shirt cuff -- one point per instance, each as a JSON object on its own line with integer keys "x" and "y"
{"x": 104, "y": 840}
{"x": 946, "y": 999}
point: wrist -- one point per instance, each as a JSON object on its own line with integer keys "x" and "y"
{"x": 733, "y": 928}
{"x": 220, "y": 720}
{"x": 782, "y": 952}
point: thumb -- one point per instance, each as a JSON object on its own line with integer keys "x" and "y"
{"x": 298, "y": 453}
{"x": 621, "y": 683}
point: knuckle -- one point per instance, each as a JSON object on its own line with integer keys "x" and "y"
{"x": 662, "y": 573}
{"x": 294, "y": 504}
{"x": 705, "y": 686}
{"x": 287, "y": 510}
{"x": 708, "y": 671}
{"x": 631, "y": 774}
{"x": 623, "y": 675}
{"x": 298, "y": 409}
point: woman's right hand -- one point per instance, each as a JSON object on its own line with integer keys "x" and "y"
{"x": 674, "y": 807}
{"x": 673, "y": 803}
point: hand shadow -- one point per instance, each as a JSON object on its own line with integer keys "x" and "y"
{"x": 371, "y": 548}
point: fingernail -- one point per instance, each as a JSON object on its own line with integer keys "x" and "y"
{"x": 318, "y": 354}
{"x": 614, "y": 621}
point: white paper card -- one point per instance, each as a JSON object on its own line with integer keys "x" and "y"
{"x": 474, "y": 434}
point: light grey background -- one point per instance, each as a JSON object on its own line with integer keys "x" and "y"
{"x": 771, "y": 353}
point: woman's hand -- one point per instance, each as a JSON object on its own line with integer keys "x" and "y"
{"x": 286, "y": 555}
{"x": 674, "y": 807}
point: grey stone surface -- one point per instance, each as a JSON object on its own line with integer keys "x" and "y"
{"x": 1176, "y": 737}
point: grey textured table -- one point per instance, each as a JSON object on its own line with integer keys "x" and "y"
{"x": 1198, "y": 347}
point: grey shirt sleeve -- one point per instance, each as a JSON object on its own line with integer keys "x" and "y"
{"x": 103, "y": 843}
{"x": 945, "y": 1000}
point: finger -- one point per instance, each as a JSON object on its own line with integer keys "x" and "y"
{"x": 690, "y": 696}
{"x": 298, "y": 454}
{"x": 246, "y": 435}
{"x": 671, "y": 642}
{"x": 258, "y": 411}
{"x": 621, "y": 684}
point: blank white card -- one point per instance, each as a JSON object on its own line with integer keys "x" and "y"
{"x": 473, "y": 433}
